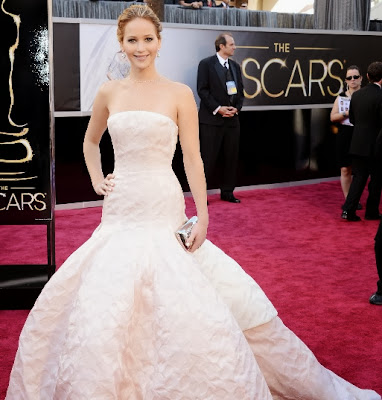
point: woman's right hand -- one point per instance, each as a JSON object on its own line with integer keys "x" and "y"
{"x": 106, "y": 186}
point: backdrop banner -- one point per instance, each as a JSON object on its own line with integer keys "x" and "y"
{"x": 25, "y": 131}
{"x": 282, "y": 69}
{"x": 300, "y": 69}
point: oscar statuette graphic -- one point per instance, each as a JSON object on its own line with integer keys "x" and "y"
{"x": 26, "y": 142}
{"x": 24, "y": 131}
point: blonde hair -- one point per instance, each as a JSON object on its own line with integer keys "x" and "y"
{"x": 137, "y": 11}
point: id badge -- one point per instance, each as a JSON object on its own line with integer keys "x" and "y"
{"x": 231, "y": 87}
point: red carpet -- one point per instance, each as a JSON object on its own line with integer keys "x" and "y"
{"x": 318, "y": 270}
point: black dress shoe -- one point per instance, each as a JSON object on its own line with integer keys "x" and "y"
{"x": 229, "y": 197}
{"x": 350, "y": 217}
{"x": 376, "y": 299}
{"x": 373, "y": 217}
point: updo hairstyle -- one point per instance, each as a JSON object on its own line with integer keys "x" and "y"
{"x": 137, "y": 11}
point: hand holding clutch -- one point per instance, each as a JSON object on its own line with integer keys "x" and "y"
{"x": 184, "y": 232}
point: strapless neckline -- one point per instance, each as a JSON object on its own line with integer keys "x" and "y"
{"x": 160, "y": 115}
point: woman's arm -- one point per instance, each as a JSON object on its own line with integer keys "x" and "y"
{"x": 193, "y": 165}
{"x": 335, "y": 115}
{"x": 194, "y": 4}
{"x": 96, "y": 128}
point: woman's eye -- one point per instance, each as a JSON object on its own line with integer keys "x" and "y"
{"x": 149, "y": 39}
{"x": 131, "y": 40}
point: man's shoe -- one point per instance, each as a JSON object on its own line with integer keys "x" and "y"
{"x": 373, "y": 217}
{"x": 229, "y": 197}
{"x": 350, "y": 217}
{"x": 376, "y": 299}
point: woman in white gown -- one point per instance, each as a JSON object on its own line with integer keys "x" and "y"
{"x": 132, "y": 315}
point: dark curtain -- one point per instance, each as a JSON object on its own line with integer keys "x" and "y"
{"x": 342, "y": 14}
{"x": 172, "y": 13}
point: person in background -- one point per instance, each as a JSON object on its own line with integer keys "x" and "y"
{"x": 212, "y": 3}
{"x": 340, "y": 115}
{"x": 191, "y": 3}
{"x": 376, "y": 298}
{"x": 365, "y": 114}
{"x": 220, "y": 88}
{"x": 224, "y": 4}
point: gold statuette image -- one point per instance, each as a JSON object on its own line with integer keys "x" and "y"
{"x": 15, "y": 148}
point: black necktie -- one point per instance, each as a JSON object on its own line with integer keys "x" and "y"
{"x": 229, "y": 77}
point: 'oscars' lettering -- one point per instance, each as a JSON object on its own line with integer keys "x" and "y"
{"x": 42, "y": 206}
{"x": 317, "y": 80}
{"x": 335, "y": 77}
{"x": 23, "y": 201}
{"x": 301, "y": 84}
{"x": 251, "y": 78}
{"x": 317, "y": 71}
{"x": 267, "y": 64}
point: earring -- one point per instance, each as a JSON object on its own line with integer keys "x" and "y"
{"x": 123, "y": 55}
{"x": 158, "y": 54}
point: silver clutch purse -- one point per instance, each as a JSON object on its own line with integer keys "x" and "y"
{"x": 184, "y": 231}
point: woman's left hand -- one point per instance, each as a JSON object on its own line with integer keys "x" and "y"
{"x": 197, "y": 237}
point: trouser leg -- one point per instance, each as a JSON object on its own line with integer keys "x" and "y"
{"x": 361, "y": 173}
{"x": 375, "y": 186}
{"x": 210, "y": 144}
{"x": 378, "y": 257}
{"x": 231, "y": 143}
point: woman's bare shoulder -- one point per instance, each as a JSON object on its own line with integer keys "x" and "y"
{"x": 179, "y": 89}
{"x": 109, "y": 86}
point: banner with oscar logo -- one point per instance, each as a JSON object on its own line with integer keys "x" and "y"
{"x": 25, "y": 115}
{"x": 300, "y": 69}
{"x": 282, "y": 68}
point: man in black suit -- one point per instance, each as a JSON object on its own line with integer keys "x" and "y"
{"x": 220, "y": 88}
{"x": 365, "y": 114}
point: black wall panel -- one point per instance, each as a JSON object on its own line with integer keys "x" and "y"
{"x": 270, "y": 152}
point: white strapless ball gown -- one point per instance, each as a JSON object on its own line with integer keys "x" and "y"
{"x": 131, "y": 315}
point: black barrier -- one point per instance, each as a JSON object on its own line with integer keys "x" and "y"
{"x": 26, "y": 140}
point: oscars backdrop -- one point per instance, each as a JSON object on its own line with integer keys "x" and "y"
{"x": 26, "y": 144}
{"x": 25, "y": 133}
{"x": 282, "y": 68}
{"x": 291, "y": 79}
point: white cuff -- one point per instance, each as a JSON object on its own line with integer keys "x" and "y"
{"x": 216, "y": 110}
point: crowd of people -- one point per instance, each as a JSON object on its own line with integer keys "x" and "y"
{"x": 210, "y": 3}
{"x": 195, "y": 4}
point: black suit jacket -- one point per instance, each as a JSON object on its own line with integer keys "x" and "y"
{"x": 365, "y": 114}
{"x": 212, "y": 90}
